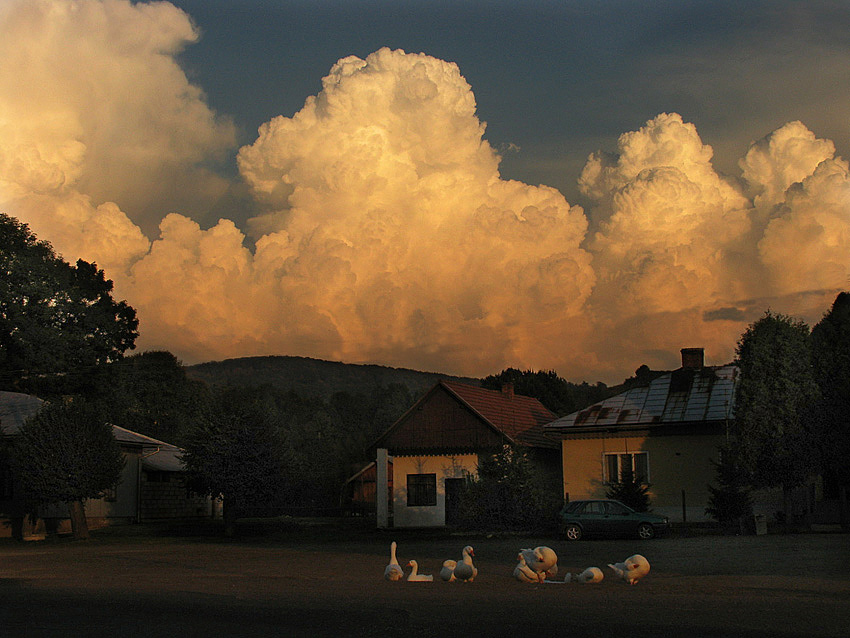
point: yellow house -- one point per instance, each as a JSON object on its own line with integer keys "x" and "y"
{"x": 666, "y": 432}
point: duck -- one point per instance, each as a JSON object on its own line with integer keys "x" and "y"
{"x": 542, "y": 560}
{"x": 632, "y": 569}
{"x": 414, "y": 574}
{"x": 589, "y": 575}
{"x": 447, "y": 573}
{"x": 523, "y": 573}
{"x": 393, "y": 570}
{"x": 465, "y": 571}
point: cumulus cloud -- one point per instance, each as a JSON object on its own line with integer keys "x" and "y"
{"x": 683, "y": 254}
{"x": 390, "y": 235}
{"x": 386, "y": 233}
{"x": 95, "y": 109}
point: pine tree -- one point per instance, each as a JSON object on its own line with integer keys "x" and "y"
{"x": 630, "y": 491}
{"x": 729, "y": 502}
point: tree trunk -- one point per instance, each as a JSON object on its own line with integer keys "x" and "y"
{"x": 79, "y": 525}
{"x": 228, "y": 513}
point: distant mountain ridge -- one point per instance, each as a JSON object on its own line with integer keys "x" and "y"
{"x": 314, "y": 377}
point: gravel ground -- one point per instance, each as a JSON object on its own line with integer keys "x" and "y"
{"x": 326, "y": 581}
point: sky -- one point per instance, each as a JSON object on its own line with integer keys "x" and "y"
{"x": 459, "y": 187}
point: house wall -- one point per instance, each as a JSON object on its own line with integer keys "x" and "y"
{"x": 165, "y": 496}
{"x": 122, "y": 505}
{"x": 677, "y": 464}
{"x": 456, "y": 466}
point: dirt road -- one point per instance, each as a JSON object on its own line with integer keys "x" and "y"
{"x": 329, "y": 583}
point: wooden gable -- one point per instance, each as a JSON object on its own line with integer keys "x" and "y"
{"x": 440, "y": 423}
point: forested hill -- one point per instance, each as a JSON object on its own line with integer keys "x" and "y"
{"x": 314, "y": 377}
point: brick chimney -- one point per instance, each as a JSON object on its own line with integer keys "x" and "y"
{"x": 693, "y": 358}
{"x": 508, "y": 390}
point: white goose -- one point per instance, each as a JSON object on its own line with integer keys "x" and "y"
{"x": 465, "y": 571}
{"x": 447, "y": 573}
{"x": 393, "y": 570}
{"x": 414, "y": 574}
{"x": 632, "y": 569}
{"x": 523, "y": 573}
{"x": 589, "y": 575}
{"x": 542, "y": 559}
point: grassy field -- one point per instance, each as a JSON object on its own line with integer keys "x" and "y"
{"x": 326, "y": 580}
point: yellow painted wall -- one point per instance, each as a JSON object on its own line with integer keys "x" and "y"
{"x": 676, "y": 463}
{"x": 444, "y": 467}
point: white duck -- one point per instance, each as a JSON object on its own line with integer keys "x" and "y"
{"x": 542, "y": 559}
{"x": 393, "y": 570}
{"x": 414, "y": 574}
{"x": 632, "y": 569}
{"x": 465, "y": 571}
{"x": 589, "y": 575}
{"x": 523, "y": 573}
{"x": 447, "y": 573}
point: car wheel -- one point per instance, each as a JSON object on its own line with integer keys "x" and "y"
{"x": 573, "y": 532}
{"x": 646, "y": 531}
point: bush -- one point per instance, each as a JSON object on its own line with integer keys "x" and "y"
{"x": 510, "y": 493}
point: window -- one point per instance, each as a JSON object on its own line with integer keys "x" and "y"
{"x": 594, "y": 507}
{"x": 157, "y": 476}
{"x": 618, "y": 465}
{"x": 615, "y": 509}
{"x": 421, "y": 489}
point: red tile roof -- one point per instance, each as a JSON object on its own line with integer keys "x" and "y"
{"x": 519, "y": 417}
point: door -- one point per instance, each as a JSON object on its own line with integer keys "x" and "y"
{"x": 454, "y": 489}
{"x": 593, "y": 517}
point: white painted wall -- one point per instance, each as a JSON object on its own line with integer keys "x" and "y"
{"x": 457, "y": 466}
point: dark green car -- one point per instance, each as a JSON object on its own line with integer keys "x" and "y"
{"x": 604, "y": 517}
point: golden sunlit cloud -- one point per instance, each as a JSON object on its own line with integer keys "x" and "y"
{"x": 386, "y": 232}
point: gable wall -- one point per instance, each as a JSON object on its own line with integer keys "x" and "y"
{"x": 676, "y": 463}
{"x": 441, "y": 422}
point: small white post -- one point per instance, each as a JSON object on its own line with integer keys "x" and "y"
{"x": 382, "y": 506}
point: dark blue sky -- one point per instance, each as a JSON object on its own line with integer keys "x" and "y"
{"x": 555, "y": 80}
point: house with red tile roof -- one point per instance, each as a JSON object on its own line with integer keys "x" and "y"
{"x": 436, "y": 444}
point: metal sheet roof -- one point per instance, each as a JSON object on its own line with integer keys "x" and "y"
{"x": 15, "y": 409}
{"x": 681, "y": 396}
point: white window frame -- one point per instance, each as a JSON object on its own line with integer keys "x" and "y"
{"x": 606, "y": 467}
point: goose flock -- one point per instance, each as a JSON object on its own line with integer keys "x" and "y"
{"x": 537, "y": 565}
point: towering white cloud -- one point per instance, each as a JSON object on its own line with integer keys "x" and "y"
{"x": 683, "y": 254}
{"x": 94, "y": 109}
{"x": 390, "y": 235}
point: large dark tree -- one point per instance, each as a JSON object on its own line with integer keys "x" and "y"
{"x": 150, "y": 393}
{"x": 773, "y": 399}
{"x": 55, "y": 318}
{"x": 67, "y": 453}
{"x": 236, "y": 452}
{"x": 830, "y": 425}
